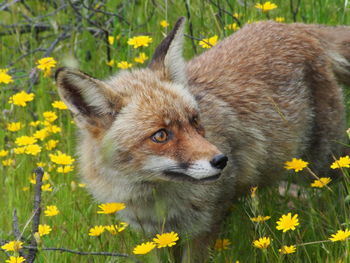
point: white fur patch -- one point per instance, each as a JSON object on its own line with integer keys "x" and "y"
{"x": 167, "y": 121}
{"x": 156, "y": 163}
{"x": 173, "y": 60}
{"x": 202, "y": 169}
{"x": 199, "y": 169}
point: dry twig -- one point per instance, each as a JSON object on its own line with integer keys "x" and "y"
{"x": 39, "y": 172}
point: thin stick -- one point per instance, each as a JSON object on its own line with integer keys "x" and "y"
{"x": 61, "y": 249}
{"x": 190, "y": 25}
{"x": 110, "y": 254}
{"x": 39, "y": 172}
{"x": 16, "y": 231}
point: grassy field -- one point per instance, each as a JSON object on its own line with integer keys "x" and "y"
{"x": 90, "y": 34}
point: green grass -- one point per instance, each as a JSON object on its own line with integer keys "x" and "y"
{"x": 321, "y": 211}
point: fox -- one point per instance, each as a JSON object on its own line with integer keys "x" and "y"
{"x": 180, "y": 141}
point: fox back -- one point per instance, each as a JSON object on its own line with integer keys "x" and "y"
{"x": 179, "y": 141}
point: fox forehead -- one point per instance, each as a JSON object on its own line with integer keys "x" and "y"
{"x": 150, "y": 98}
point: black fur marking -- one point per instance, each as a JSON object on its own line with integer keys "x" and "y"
{"x": 184, "y": 165}
{"x": 162, "y": 49}
{"x": 58, "y": 71}
{"x": 76, "y": 98}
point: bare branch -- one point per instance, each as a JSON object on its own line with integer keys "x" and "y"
{"x": 295, "y": 10}
{"x": 8, "y": 5}
{"x": 101, "y": 253}
{"x": 98, "y": 10}
{"x": 198, "y": 39}
{"x": 16, "y": 231}
{"x": 78, "y": 252}
{"x": 34, "y": 74}
{"x": 227, "y": 12}
{"x": 194, "y": 47}
{"x": 39, "y": 172}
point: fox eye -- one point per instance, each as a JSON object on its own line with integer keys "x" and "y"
{"x": 160, "y": 136}
{"x": 195, "y": 121}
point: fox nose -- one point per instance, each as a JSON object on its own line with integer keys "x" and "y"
{"x": 219, "y": 161}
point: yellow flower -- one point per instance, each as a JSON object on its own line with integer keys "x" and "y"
{"x": 13, "y": 259}
{"x": 32, "y": 179}
{"x": 144, "y": 248}
{"x": 166, "y": 239}
{"x": 111, "y": 40}
{"x": 51, "y": 144}
{"x": 253, "y": 191}
{"x": 296, "y": 164}
{"x": 58, "y": 104}
{"x": 3, "y": 153}
{"x": 341, "y": 162}
{"x": 19, "y": 150}
{"x": 140, "y": 41}
{"x": 4, "y": 77}
{"x": 236, "y": 15}
{"x": 34, "y": 123}
{"x": 44, "y": 230}
{"x": 8, "y": 162}
{"x": 50, "y": 116}
{"x": 25, "y": 140}
{"x": 287, "y": 222}
{"x": 262, "y": 242}
{"x": 32, "y": 149}
{"x": 110, "y": 63}
{"x": 124, "y": 65}
{"x": 40, "y": 164}
{"x": 233, "y": 27}
{"x": 21, "y": 98}
{"x": 260, "y": 218}
{"x": 51, "y": 210}
{"x": 25, "y": 188}
{"x": 164, "y": 23}
{"x": 141, "y": 58}
{"x": 46, "y": 64}
{"x": 265, "y": 7}
{"x": 65, "y": 169}
{"x": 208, "y": 42}
{"x": 12, "y": 246}
{"x": 14, "y": 126}
{"x": 115, "y": 229}
{"x": 323, "y": 181}
{"x": 110, "y": 208}
{"x": 53, "y": 128}
{"x": 41, "y": 134}
{"x": 287, "y": 249}
{"x": 96, "y": 231}
{"x": 46, "y": 188}
{"x": 279, "y": 19}
{"x": 221, "y": 244}
{"x": 61, "y": 158}
{"x": 82, "y": 185}
{"x": 340, "y": 235}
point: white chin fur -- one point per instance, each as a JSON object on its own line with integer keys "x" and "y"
{"x": 199, "y": 169}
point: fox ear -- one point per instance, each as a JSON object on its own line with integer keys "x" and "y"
{"x": 168, "y": 58}
{"x": 89, "y": 99}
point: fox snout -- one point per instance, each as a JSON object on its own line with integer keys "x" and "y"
{"x": 219, "y": 161}
{"x": 194, "y": 171}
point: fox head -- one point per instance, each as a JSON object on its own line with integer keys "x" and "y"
{"x": 145, "y": 122}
